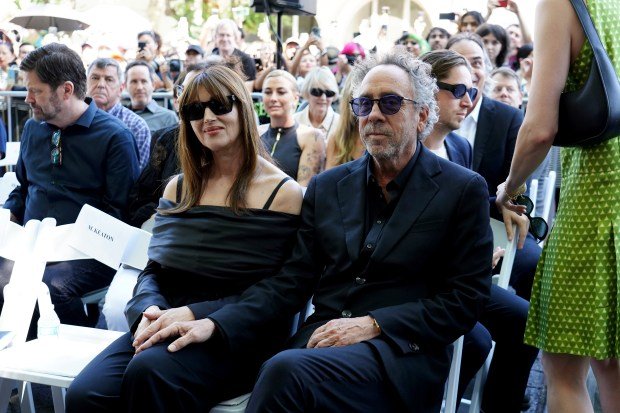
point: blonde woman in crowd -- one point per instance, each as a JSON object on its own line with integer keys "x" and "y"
{"x": 320, "y": 90}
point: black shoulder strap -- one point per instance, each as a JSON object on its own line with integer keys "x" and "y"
{"x": 274, "y": 193}
{"x": 179, "y": 187}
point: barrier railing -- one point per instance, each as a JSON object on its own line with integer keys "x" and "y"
{"x": 14, "y": 109}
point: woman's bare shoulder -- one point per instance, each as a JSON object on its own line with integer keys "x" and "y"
{"x": 289, "y": 196}
{"x": 170, "y": 192}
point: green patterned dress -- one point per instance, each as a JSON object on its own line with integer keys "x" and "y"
{"x": 574, "y": 305}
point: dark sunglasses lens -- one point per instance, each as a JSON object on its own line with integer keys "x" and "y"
{"x": 330, "y": 93}
{"x": 361, "y": 106}
{"x": 193, "y": 111}
{"x": 526, "y": 202}
{"x": 539, "y": 228}
{"x": 473, "y": 92}
{"x": 459, "y": 91}
{"x": 219, "y": 108}
{"x": 316, "y": 92}
{"x": 390, "y": 104}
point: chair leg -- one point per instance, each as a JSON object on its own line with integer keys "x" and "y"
{"x": 481, "y": 378}
{"x": 58, "y": 396}
{"x": 6, "y": 387}
{"x": 25, "y": 397}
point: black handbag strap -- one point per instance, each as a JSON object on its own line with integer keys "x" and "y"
{"x": 589, "y": 29}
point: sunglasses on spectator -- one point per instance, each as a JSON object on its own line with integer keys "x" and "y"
{"x": 458, "y": 91}
{"x": 56, "y": 153}
{"x": 388, "y": 105}
{"x": 196, "y": 111}
{"x": 315, "y": 91}
{"x": 538, "y": 226}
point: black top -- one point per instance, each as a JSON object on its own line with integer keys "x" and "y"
{"x": 207, "y": 256}
{"x": 163, "y": 164}
{"x": 284, "y": 148}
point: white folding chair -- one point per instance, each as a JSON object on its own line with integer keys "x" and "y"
{"x": 452, "y": 384}
{"x": 500, "y": 239}
{"x": 56, "y": 361}
{"x": 549, "y": 189}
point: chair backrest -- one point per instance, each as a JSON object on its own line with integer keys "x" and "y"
{"x": 533, "y": 193}
{"x": 500, "y": 239}
{"x": 21, "y": 293}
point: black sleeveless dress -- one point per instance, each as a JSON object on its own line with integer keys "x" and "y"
{"x": 282, "y": 144}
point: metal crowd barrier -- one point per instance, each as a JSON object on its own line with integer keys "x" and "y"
{"x": 14, "y": 109}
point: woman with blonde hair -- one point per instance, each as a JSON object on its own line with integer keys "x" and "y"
{"x": 344, "y": 144}
{"x": 298, "y": 149}
{"x": 223, "y": 225}
{"x": 320, "y": 89}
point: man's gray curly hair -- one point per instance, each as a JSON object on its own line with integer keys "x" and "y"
{"x": 424, "y": 86}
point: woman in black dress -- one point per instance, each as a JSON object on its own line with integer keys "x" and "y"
{"x": 298, "y": 149}
{"x": 222, "y": 226}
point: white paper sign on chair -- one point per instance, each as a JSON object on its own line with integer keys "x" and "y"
{"x": 109, "y": 240}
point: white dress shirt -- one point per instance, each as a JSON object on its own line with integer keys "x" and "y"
{"x": 470, "y": 124}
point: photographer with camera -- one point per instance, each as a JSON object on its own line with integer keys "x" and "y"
{"x": 148, "y": 51}
{"x": 138, "y": 83}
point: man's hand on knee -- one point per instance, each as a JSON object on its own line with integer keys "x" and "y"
{"x": 197, "y": 331}
{"x": 344, "y": 332}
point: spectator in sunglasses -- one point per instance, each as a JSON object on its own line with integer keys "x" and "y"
{"x": 491, "y": 129}
{"x": 223, "y": 225}
{"x": 396, "y": 248}
{"x": 298, "y": 149}
{"x": 320, "y": 90}
{"x": 504, "y": 315}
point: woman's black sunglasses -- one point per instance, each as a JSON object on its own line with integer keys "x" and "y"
{"x": 388, "y": 104}
{"x": 315, "y": 91}
{"x": 538, "y": 226}
{"x": 458, "y": 91}
{"x": 196, "y": 110}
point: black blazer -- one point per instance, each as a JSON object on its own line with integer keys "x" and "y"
{"x": 496, "y": 136}
{"x": 459, "y": 150}
{"x": 426, "y": 283}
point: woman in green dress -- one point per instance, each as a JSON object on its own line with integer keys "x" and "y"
{"x": 574, "y": 315}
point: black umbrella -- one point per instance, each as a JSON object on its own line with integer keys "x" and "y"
{"x": 44, "y": 16}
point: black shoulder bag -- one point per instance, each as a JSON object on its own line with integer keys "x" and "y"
{"x": 591, "y": 115}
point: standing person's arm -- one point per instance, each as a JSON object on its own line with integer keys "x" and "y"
{"x": 557, "y": 22}
{"x": 513, "y": 6}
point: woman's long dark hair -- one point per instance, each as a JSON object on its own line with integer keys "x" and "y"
{"x": 196, "y": 160}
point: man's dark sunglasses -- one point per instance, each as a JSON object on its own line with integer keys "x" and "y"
{"x": 56, "y": 152}
{"x": 458, "y": 91}
{"x": 315, "y": 91}
{"x": 388, "y": 105}
{"x": 538, "y": 226}
{"x": 196, "y": 110}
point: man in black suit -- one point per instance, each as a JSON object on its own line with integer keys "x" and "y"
{"x": 396, "y": 248}
{"x": 491, "y": 128}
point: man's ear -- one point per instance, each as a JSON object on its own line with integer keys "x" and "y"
{"x": 422, "y": 119}
{"x": 68, "y": 88}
